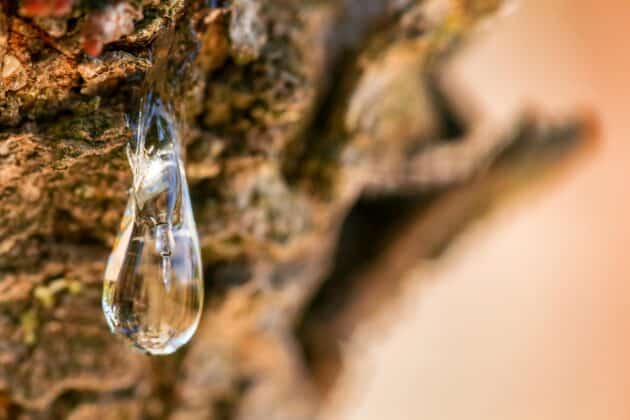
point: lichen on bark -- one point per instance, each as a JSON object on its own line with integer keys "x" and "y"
{"x": 290, "y": 112}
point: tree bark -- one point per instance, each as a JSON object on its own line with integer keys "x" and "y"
{"x": 291, "y": 111}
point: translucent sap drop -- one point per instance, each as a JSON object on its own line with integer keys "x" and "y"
{"x": 153, "y": 291}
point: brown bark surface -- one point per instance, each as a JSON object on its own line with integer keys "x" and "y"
{"x": 291, "y": 112}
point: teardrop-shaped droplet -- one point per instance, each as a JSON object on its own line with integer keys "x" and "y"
{"x": 152, "y": 299}
{"x": 153, "y": 290}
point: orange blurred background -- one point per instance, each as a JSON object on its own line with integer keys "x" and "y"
{"x": 529, "y": 315}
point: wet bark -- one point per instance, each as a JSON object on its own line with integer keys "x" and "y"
{"x": 291, "y": 112}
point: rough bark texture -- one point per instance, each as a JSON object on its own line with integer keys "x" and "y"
{"x": 291, "y": 111}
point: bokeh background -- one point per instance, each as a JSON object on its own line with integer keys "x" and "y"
{"x": 528, "y": 317}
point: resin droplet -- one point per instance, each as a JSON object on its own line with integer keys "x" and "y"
{"x": 153, "y": 291}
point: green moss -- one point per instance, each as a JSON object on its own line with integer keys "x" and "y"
{"x": 45, "y": 294}
{"x": 89, "y": 107}
{"x": 29, "y": 323}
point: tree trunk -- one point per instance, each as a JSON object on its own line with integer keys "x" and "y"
{"x": 292, "y": 112}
